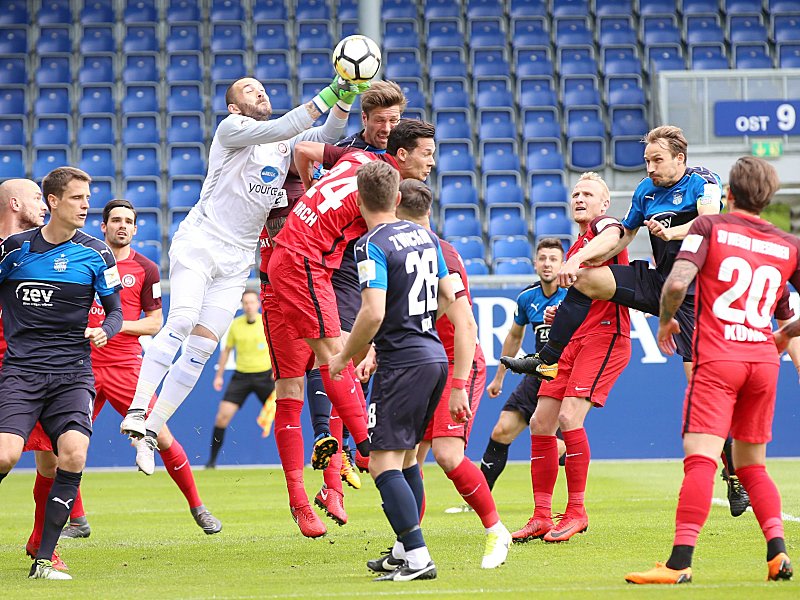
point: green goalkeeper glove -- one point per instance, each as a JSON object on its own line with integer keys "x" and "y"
{"x": 339, "y": 89}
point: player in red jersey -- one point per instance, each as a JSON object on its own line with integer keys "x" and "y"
{"x": 116, "y": 370}
{"x": 594, "y": 358}
{"x": 308, "y": 248}
{"x": 466, "y": 380}
{"x": 741, "y": 264}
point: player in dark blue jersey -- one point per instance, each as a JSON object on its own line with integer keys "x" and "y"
{"x": 404, "y": 287}
{"x": 518, "y": 409}
{"x": 48, "y": 279}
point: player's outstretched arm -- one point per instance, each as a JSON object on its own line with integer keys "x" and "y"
{"x": 601, "y": 246}
{"x": 511, "y": 346}
{"x": 446, "y": 296}
{"x": 368, "y": 321}
{"x": 149, "y": 324}
{"x": 465, "y": 334}
{"x": 305, "y": 155}
{"x": 672, "y": 296}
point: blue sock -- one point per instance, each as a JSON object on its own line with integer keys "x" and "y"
{"x": 400, "y": 507}
{"x": 318, "y": 403}
{"x": 413, "y": 477}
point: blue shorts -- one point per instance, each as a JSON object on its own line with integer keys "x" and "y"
{"x": 59, "y": 401}
{"x": 525, "y": 397}
{"x": 402, "y": 404}
{"x": 347, "y": 289}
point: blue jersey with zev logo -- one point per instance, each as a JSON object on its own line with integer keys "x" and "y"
{"x": 531, "y": 304}
{"x": 406, "y": 260}
{"x": 672, "y": 206}
{"x": 46, "y": 291}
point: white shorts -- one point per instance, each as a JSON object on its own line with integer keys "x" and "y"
{"x": 207, "y": 276}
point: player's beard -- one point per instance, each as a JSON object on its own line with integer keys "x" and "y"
{"x": 118, "y": 244}
{"x": 254, "y": 112}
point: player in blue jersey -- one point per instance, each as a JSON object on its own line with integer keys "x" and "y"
{"x": 404, "y": 287}
{"x": 518, "y": 409}
{"x": 49, "y": 276}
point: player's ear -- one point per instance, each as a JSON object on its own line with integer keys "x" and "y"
{"x": 402, "y": 154}
{"x": 398, "y": 199}
{"x": 52, "y": 201}
{"x": 234, "y": 110}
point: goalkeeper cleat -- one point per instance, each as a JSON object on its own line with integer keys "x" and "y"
{"x": 779, "y": 567}
{"x": 133, "y": 424}
{"x": 325, "y": 446}
{"x": 738, "y": 498}
{"x": 531, "y": 365}
{"x": 206, "y": 521}
{"x": 535, "y": 529}
{"x": 58, "y": 564}
{"x": 386, "y": 563}
{"x": 146, "y": 454}
{"x": 307, "y": 520}
{"x": 661, "y": 574}
{"x": 568, "y": 526}
{"x": 349, "y": 474}
{"x": 406, "y": 573}
{"x": 77, "y": 528}
{"x": 496, "y": 549}
{"x": 332, "y": 502}
{"x": 44, "y": 569}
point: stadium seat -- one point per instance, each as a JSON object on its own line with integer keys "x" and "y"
{"x": 97, "y": 98}
{"x": 54, "y": 40}
{"x": 695, "y": 7}
{"x": 97, "y": 69}
{"x": 51, "y": 131}
{"x": 452, "y": 124}
{"x": 461, "y": 226}
{"x": 489, "y": 62}
{"x": 54, "y": 69}
{"x": 656, "y": 7}
{"x": 549, "y": 221}
{"x": 497, "y": 123}
{"x": 446, "y": 62}
{"x": 53, "y": 100}
{"x": 144, "y": 193}
{"x": 140, "y": 38}
{"x": 400, "y": 33}
{"x": 743, "y": 7}
{"x": 789, "y": 56}
{"x": 513, "y": 266}
{"x": 12, "y": 131}
{"x": 661, "y": 30}
{"x": 54, "y": 11}
{"x": 227, "y": 36}
{"x": 613, "y": 8}
{"x": 141, "y": 129}
{"x": 185, "y": 128}
{"x": 395, "y": 9}
{"x": 93, "y": 223}
{"x": 13, "y": 70}
{"x": 12, "y": 163}
{"x": 747, "y": 28}
{"x": 777, "y": 7}
{"x": 666, "y": 58}
{"x": 786, "y": 28}
{"x": 97, "y": 11}
{"x": 533, "y": 62}
{"x": 148, "y": 227}
{"x": 487, "y": 32}
{"x": 493, "y": 93}
{"x": 314, "y": 64}
{"x": 514, "y": 211}
{"x": 704, "y": 28}
{"x": 140, "y": 68}
{"x": 182, "y": 37}
{"x": 270, "y": 36}
{"x": 441, "y": 8}
{"x": 752, "y": 56}
{"x": 184, "y": 67}
{"x": 445, "y": 33}
{"x": 272, "y": 64}
{"x": 186, "y": 160}
{"x": 499, "y": 156}
{"x": 140, "y": 98}
{"x": 183, "y": 10}
{"x": 13, "y": 40}
{"x": 141, "y": 162}
{"x": 102, "y": 191}
{"x": 544, "y": 157}
{"x": 549, "y": 191}
{"x": 511, "y": 247}
{"x": 586, "y": 152}
{"x": 475, "y": 266}
{"x": 502, "y": 187}
{"x": 573, "y": 31}
{"x": 530, "y": 31}
{"x": 226, "y": 10}
{"x": 402, "y": 63}
{"x": 140, "y": 11}
{"x": 184, "y": 192}
{"x": 708, "y": 56}
{"x": 97, "y": 161}
{"x": 15, "y": 13}
{"x": 148, "y": 248}
{"x": 621, "y": 61}
{"x": 449, "y": 94}
{"x": 470, "y": 248}
{"x": 455, "y": 156}
{"x": 617, "y": 31}
{"x": 228, "y": 66}
{"x": 314, "y": 35}
{"x": 94, "y": 130}
{"x": 12, "y": 101}
{"x": 312, "y": 9}
{"x": 577, "y": 61}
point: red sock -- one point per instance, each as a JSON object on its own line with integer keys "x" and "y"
{"x": 41, "y": 491}
{"x": 576, "y": 468}
{"x": 333, "y": 474}
{"x": 178, "y": 467}
{"x": 694, "y": 502}
{"x": 289, "y": 439}
{"x": 764, "y": 498}
{"x": 345, "y": 399}
{"x": 472, "y": 486}
{"x": 77, "y": 507}
{"x": 544, "y": 472}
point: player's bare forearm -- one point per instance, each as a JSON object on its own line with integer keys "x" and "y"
{"x": 607, "y": 246}
{"x": 466, "y": 332}
{"x": 674, "y": 291}
{"x": 150, "y": 324}
{"x": 679, "y": 232}
{"x": 312, "y": 110}
{"x": 793, "y": 347}
{"x": 445, "y": 297}
{"x": 305, "y": 154}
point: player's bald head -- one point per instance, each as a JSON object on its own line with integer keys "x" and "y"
{"x": 246, "y": 96}
{"x": 17, "y": 188}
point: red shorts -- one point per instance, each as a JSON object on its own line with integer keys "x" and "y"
{"x": 442, "y": 424}
{"x": 305, "y": 294}
{"x": 290, "y": 357}
{"x": 115, "y": 384}
{"x": 735, "y": 397}
{"x": 589, "y": 367}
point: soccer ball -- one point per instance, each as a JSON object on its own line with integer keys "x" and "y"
{"x": 357, "y": 58}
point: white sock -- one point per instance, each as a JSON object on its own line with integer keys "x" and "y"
{"x": 496, "y": 528}
{"x": 418, "y": 558}
{"x": 155, "y": 364}
{"x": 180, "y": 380}
{"x": 398, "y": 551}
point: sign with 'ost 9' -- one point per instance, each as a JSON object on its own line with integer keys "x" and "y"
{"x": 756, "y": 118}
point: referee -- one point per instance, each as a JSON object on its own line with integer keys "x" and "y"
{"x": 253, "y": 369}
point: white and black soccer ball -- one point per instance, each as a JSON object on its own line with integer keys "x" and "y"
{"x": 357, "y": 58}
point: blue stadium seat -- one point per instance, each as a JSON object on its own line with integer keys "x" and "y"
{"x": 499, "y": 156}
{"x": 184, "y": 36}
{"x": 573, "y": 31}
{"x": 309, "y": 88}
{"x": 94, "y": 221}
{"x": 450, "y": 95}
{"x": 627, "y": 153}
{"x": 401, "y": 63}
{"x": 484, "y": 8}
{"x": 446, "y": 62}
{"x": 497, "y": 123}
{"x": 97, "y": 161}
{"x": 185, "y": 67}
{"x": 550, "y": 222}
{"x": 149, "y": 249}
{"x": 140, "y": 98}
{"x": 54, "y": 69}
{"x": 12, "y": 163}
{"x": 475, "y": 266}
{"x": 228, "y": 66}
{"x": 513, "y": 266}
{"x": 660, "y": 30}
{"x": 227, "y": 36}
{"x": 581, "y": 96}
{"x": 12, "y": 131}
{"x": 395, "y": 9}
{"x": 568, "y": 8}
{"x": 549, "y": 191}
{"x": 51, "y": 131}
{"x": 455, "y": 156}
{"x": 502, "y": 187}
{"x": 347, "y": 27}
{"x": 186, "y": 160}
{"x": 94, "y": 130}
{"x": 12, "y": 70}
{"x": 314, "y": 35}
{"x": 15, "y": 13}
{"x": 445, "y": 34}
{"x": 185, "y": 128}
{"x": 461, "y": 226}
{"x": 535, "y": 91}
{"x": 577, "y": 61}
{"x": 468, "y": 211}
{"x": 140, "y": 68}
{"x": 530, "y": 31}
{"x": 613, "y": 8}
{"x": 141, "y": 162}
{"x": 704, "y": 28}
{"x": 312, "y": 9}
{"x": 102, "y": 191}
{"x": 470, "y": 248}
{"x": 789, "y": 56}
{"x": 457, "y": 188}
{"x": 617, "y": 31}
{"x": 97, "y": 69}
{"x": 777, "y": 7}
{"x": 53, "y": 100}
{"x": 12, "y": 101}
{"x": 141, "y": 129}
{"x": 507, "y": 210}
{"x": 666, "y": 58}
{"x": 314, "y": 64}
{"x": 743, "y": 7}
{"x": 183, "y": 10}
{"x": 550, "y": 179}
{"x": 144, "y": 193}
{"x": 511, "y": 247}
{"x": 54, "y": 40}
{"x": 271, "y": 36}
{"x": 272, "y": 65}
{"x": 506, "y": 225}
{"x": 708, "y": 56}
{"x": 97, "y": 98}
{"x": 184, "y": 192}
{"x": 441, "y": 8}
{"x": 54, "y": 11}
{"x": 747, "y": 28}
{"x": 656, "y": 7}
{"x": 148, "y": 227}
{"x": 541, "y": 124}
{"x": 348, "y": 10}
{"x": 489, "y": 62}
{"x": 13, "y": 40}
{"x": 786, "y": 28}
{"x": 226, "y": 10}
{"x": 586, "y": 145}
{"x": 695, "y": 7}
{"x": 752, "y": 56}
{"x": 140, "y": 11}
{"x": 493, "y": 93}
{"x": 140, "y": 38}
{"x": 97, "y": 11}
{"x": 452, "y": 124}
{"x": 46, "y": 159}
{"x": 400, "y": 33}
{"x": 621, "y": 61}
{"x": 487, "y": 32}
{"x": 280, "y": 95}
{"x": 544, "y": 156}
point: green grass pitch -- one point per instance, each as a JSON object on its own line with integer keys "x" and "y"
{"x": 144, "y": 542}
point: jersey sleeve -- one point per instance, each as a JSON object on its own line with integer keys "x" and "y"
{"x": 635, "y": 217}
{"x": 8, "y": 249}
{"x": 783, "y": 310}
{"x": 443, "y": 272}
{"x": 520, "y": 314}
{"x": 695, "y": 245}
{"x": 372, "y": 266}
{"x": 236, "y": 131}
{"x": 331, "y": 155}
{"x": 106, "y": 279}
{"x": 706, "y": 187}
{"x": 603, "y": 222}
{"x": 151, "y": 288}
